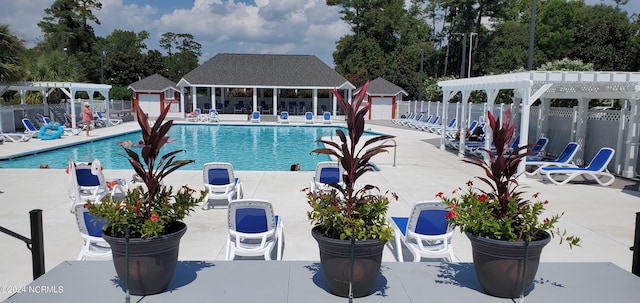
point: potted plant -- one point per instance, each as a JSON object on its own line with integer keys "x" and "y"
{"x": 145, "y": 228}
{"x": 350, "y": 221}
{"x": 503, "y": 226}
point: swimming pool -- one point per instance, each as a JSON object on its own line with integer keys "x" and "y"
{"x": 246, "y": 147}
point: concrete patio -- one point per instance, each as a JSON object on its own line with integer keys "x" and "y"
{"x": 604, "y": 217}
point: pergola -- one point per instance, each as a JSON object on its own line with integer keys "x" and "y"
{"x": 547, "y": 85}
{"x": 68, "y": 88}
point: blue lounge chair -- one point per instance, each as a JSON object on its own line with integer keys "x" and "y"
{"x": 565, "y": 159}
{"x": 596, "y": 169}
{"x": 426, "y": 232}
{"x": 537, "y": 151}
{"x": 284, "y": 117}
{"x": 326, "y": 118}
{"x": 30, "y": 128}
{"x": 220, "y": 183}
{"x": 86, "y": 182}
{"x": 410, "y": 122}
{"x": 253, "y": 230}
{"x": 255, "y": 117}
{"x": 308, "y": 118}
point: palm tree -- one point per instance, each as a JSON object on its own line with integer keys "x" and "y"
{"x": 11, "y": 49}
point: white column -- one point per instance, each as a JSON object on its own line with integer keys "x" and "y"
{"x": 275, "y": 102}
{"x": 315, "y": 102}
{"x": 254, "y": 102}
{"x": 194, "y": 98}
{"x": 632, "y": 141}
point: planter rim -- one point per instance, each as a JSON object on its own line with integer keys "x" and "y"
{"x": 315, "y": 232}
{"x": 546, "y": 239}
{"x": 181, "y": 229}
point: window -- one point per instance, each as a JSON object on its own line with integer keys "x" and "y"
{"x": 169, "y": 95}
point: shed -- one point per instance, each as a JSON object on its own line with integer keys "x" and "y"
{"x": 155, "y": 92}
{"x": 383, "y": 96}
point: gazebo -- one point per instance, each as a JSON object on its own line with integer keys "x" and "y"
{"x": 547, "y": 85}
{"x": 68, "y": 88}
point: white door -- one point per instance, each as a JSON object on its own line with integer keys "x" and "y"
{"x": 150, "y": 104}
{"x": 381, "y": 108}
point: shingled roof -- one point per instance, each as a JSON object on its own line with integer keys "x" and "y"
{"x": 382, "y": 87}
{"x": 265, "y": 70}
{"x": 153, "y": 83}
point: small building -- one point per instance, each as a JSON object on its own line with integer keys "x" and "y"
{"x": 383, "y": 96}
{"x": 155, "y": 92}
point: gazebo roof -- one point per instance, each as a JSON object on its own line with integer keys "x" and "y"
{"x": 153, "y": 83}
{"x": 564, "y": 84}
{"x": 265, "y": 71}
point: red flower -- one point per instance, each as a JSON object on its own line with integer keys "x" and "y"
{"x": 439, "y": 195}
{"x": 546, "y": 202}
{"x": 154, "y": 217}
{"x": 469, "y": 183}
{"x": 482, "y": 198}
{"x": 452, "y": 206}
{"x": 451, "y": 214}
{"x": 546, "y": 220}
{"x": 536, "y": 195}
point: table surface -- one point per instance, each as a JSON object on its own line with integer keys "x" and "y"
{"x": 303, "y": 281}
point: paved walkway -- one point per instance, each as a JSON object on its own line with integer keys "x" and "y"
{"x": 604, "y": 217}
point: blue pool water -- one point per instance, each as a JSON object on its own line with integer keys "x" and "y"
{"x": 246, "y": 147}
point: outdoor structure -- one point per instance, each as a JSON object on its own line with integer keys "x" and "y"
{"x": 264, "y": 75}
{"x": 383, "y": 96}
{"x": 68, "y": 88}
{"x": 547, "y": 85}
{"x": 155, "y": 92}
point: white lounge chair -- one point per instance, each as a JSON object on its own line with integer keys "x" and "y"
{"x": 106, "y": 120}
{"x": 15, "y": 137}
{"x": 328, "y": 172}
{"x": 255, "y": 117}
{"x": 253, "y": 230}
{"x": 308, "y": 118}
{"x": 94, "y": 246}
{"x": 220, "y": 183}
{"x": 411, "y": 122}
{"x": 326, "y": 118}
{"x": 195, "y": 115}
{"x": 87, "y": 183}
{"x": 426, "y": 232}
{"x": 596, "y": 169}
{"x": 213, "y": 116}
{"x": 284, "y": 117}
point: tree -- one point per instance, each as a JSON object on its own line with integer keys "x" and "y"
{"x": 66, "y": 22}
{"x": 11, "y": 50}
{"x": 603, "y": 37}
{"x": 183, "y": 53}
{"x": 386, "y": 42}
{"x": 124, "y": 59}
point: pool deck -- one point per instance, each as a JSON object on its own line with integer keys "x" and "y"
{"x": 604, "y": 217}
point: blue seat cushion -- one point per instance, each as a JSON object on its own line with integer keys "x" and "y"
{"x": 432, "y": 222}
{"x": 219, "y": 176}
{"x": 251, "y": 220}
{"x": 330, "y": 175}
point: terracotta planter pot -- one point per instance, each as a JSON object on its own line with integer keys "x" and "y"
{"x": 335, "y": 261}
{"x": 152, "y": 262}
{"x": 499, "y": 264}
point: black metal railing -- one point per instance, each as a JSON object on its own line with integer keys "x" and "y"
{"x": 635, "y": 265}
{"x": 35, "y": 244}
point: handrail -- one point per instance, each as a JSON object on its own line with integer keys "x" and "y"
{"x": 395, "y": 147}
{"x": 324, "y": 131}
{"x": 35, "y": 244}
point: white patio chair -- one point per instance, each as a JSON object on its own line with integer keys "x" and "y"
{"x": 253, "y": 230}
{"x": 426, "y": 232}
{"x": 220, "y": 183}
{"x": 94, "y": 247}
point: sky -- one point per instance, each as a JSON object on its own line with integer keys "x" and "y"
{"x": 302, "y": 27}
